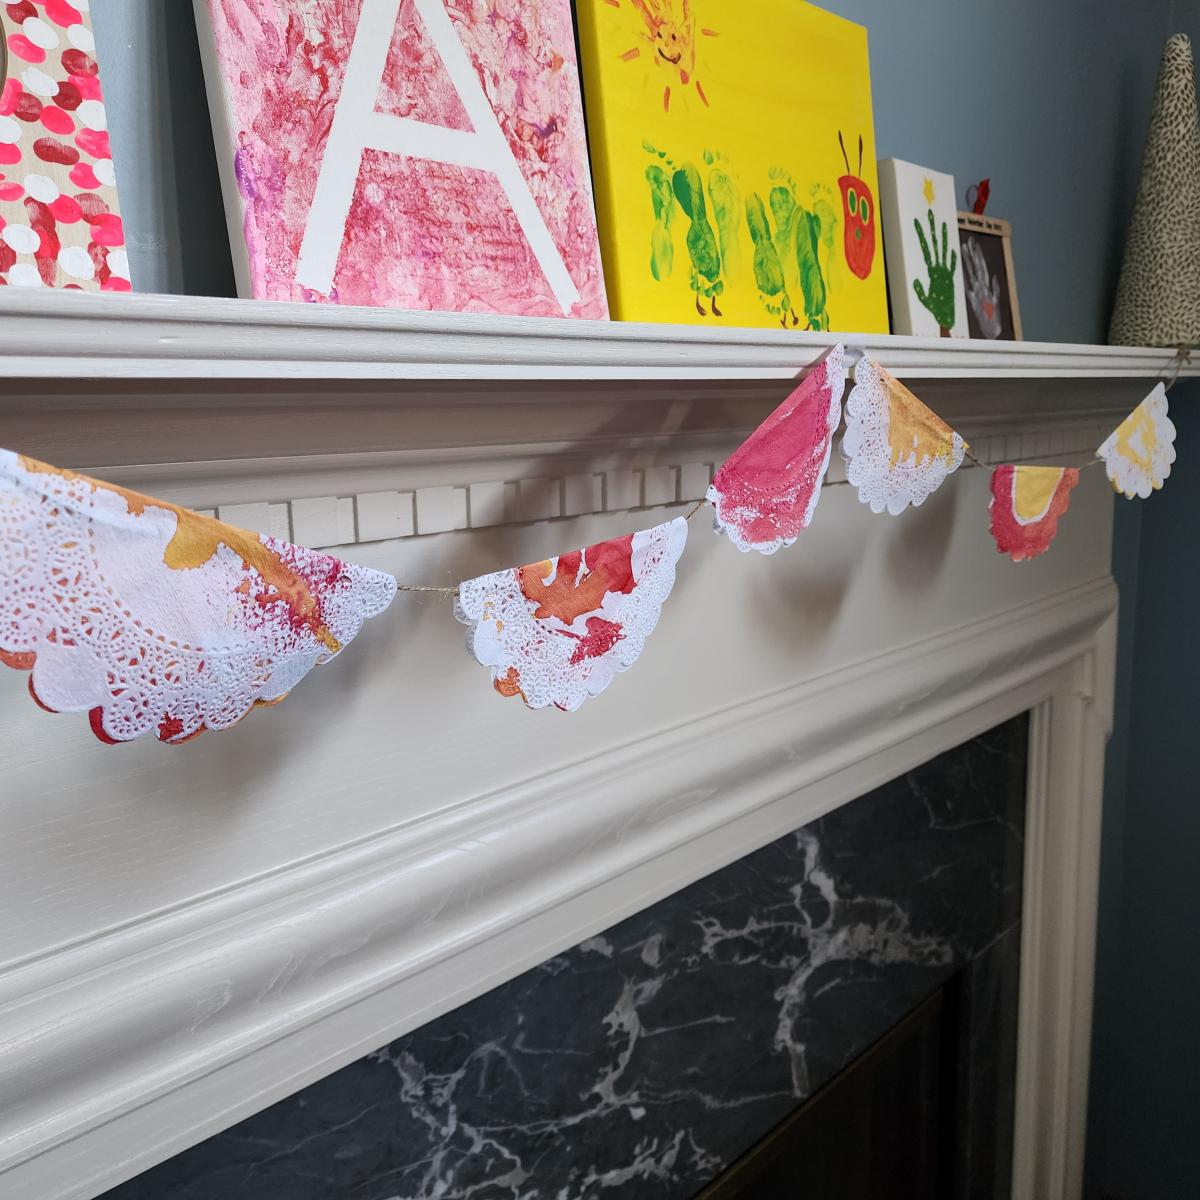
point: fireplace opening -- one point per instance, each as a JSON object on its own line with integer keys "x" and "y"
{"x": 884, "y": 1128}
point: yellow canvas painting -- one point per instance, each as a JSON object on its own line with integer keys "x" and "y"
{"x": 734, "y": 163}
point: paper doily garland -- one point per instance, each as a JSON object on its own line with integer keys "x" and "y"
{"x": 1138, "y": 454}
{"x": 153, "y": 618}
{"x": 557, "y": 631}
{"x": 1026, "y": 505}
{"x": 898, "y": 452}
{"x": 767, "y": 490}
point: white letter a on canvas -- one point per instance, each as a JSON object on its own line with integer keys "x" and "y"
{"x": 357, "y": 126}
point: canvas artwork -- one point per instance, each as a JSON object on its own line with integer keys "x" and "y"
{"x": 60, "y": 224}
{"x": 924, "y": 260}
{"x": 734, "y": 162}
{"x": 409, "y": 153}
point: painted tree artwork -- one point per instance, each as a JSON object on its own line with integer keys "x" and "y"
{"x": 735, "y": 184}
{"x": 924, "y": 259}
{"x": 421, "y": 154}
{"x": 60, "y": 224}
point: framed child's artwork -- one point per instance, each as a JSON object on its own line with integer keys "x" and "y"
{"x": 734, "y": 160}
{"x": 991, "y": 286}
{"x": 407, "y": 153}
{"x": 60, "y": 224}
{"x": 924, "y": 267}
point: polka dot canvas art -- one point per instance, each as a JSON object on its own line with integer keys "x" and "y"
{"x": 420, "y": 154}
{"x": 60, "y": 224}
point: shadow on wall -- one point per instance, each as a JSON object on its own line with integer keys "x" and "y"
{"x": 206, "y": 267}
{"x": 163, "y": 147}
{"x": 1146, "y": 1045}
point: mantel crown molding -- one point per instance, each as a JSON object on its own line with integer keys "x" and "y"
{"x": 84, "y": 336}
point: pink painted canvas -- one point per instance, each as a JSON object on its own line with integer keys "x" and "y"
{"x": 767, "y": 491}
{"x": 422, "y": 154}
{"x": 60, "y": 224}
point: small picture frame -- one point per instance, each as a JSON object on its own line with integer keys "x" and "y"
{"x": 988, "y": 278}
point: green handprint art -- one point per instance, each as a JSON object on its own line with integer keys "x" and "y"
{"x": 670, "y": 184}
{"x": 768, "y": 270}
{"x": 785, "y": 211}
{"x": 726, "y": 206}
{"x": 786, "y": 239}
{"x": 701, "y": 240}
{"x": 662, "y": 200}
{"x": 798, "y": 237}
{"x": 812, "y": 281}
{"x": 939, "y": 299}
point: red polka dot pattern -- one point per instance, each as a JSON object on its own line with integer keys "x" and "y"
{"x": 60, "y": 224}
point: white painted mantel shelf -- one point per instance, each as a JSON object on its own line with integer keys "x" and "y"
{"x": 187, "y": 935}
{"x": 52, "y": 336}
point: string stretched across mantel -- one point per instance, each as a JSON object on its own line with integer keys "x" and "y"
{"x": 453, "y": 591}
{"x": 1182, "y": 358}
{"x": 154, "y": 618}
{"x": 914, "y": 410}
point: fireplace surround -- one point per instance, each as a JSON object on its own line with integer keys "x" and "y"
{"x": 646, "y": 1060}
{"x": 187, "y": 937}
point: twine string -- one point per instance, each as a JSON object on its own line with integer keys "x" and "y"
{"x": 1181, "y": 359}
{"x": 417, "y": 587}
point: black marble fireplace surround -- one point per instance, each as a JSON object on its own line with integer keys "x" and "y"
{"x": 644, "y": 1061}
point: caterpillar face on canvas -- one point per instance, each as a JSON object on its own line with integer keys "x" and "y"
{"x": 858, "y": 213}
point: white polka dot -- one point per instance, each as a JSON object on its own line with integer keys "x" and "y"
{"x": 76, "y": 262}
{"x": 21, "y": 238}
{"x": 10, "y": 130}
{"x": 118, "y": 263}
{"x": 24, "y": 275}
{"x": 39, "y": 33}
{"x": 81, "y": 5}
{"x": 80, "y": 36}
{"x": 92, "y": 114}
{"x": 103, "y": 168}
{"x": 38, "y": 82}
{"x": 42, "y": 187}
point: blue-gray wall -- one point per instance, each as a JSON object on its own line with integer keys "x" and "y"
{"x": 1144, "y": 1141}
{"x": 1145, "y": 1087}
{"x": 1051, "y": 101}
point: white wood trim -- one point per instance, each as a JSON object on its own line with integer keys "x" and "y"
{"x": 119, "y": 1052}
{"x": 64, "y": 336}
{"x": 1062, "y": 871}
{"x": 124, "y": 1040}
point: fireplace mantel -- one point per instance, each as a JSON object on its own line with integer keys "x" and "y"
{"x": 59, "y": 336}
{"x": 187, "y": 935}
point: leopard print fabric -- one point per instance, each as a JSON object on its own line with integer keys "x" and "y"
{"x": 1158, "y": 300}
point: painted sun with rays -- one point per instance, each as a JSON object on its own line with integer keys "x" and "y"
{"x": 669, "y": 29}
